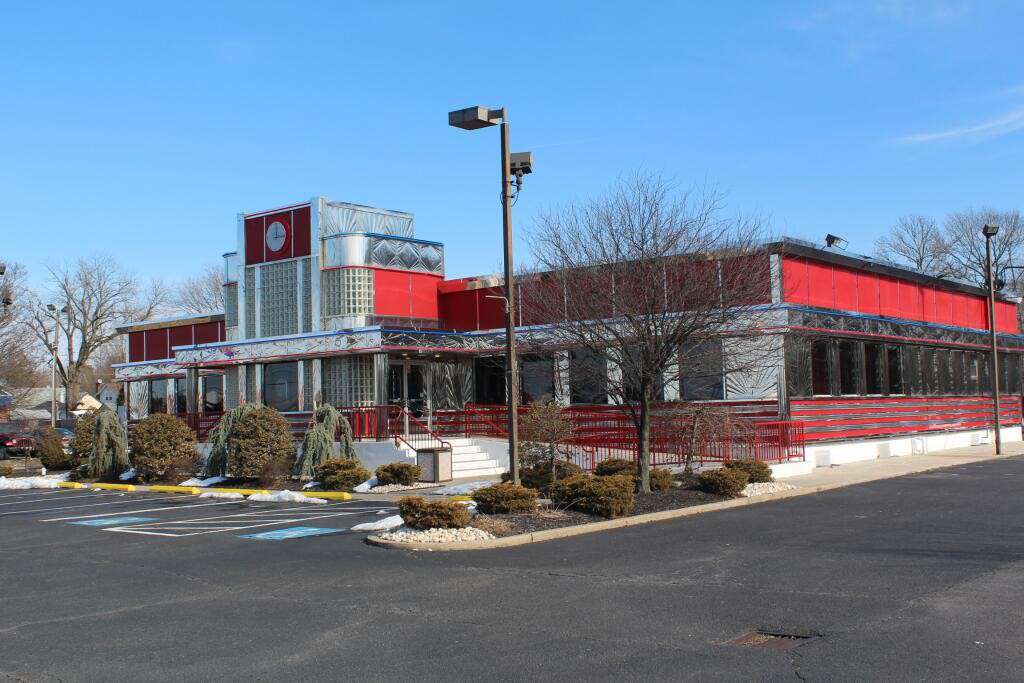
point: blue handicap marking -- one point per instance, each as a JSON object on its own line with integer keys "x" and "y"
{"x": 113, "y": 521}
{"x": 291, "y": 532}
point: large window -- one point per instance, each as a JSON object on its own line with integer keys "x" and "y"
{"x": 536, "y": 377}
{"x": 157, "y": 396}
{"x": 588, "y": 377}
{"x": 894, "y": 366}
{"x": 944, "y": 376}
{"x": 701, "y": 370}
{"x": 820, "y": 372}
{"x": 180, "y": 396}
{"x": 631, "y": 381}
{"x": 849, "y": 366}
{"x": 213, "y": 393}
{"x": 281, "y": 386}
{"x": 874, "y": 370}
{"x": 489, "y": 374}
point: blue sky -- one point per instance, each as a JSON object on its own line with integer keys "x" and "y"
{"x": 142, "y": 130}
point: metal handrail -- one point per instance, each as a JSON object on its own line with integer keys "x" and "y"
{"x": 413, "y": 420}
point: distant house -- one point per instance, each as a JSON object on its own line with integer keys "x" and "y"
{"x": 33, "y": 407}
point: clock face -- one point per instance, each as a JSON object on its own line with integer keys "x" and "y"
{"x": 275, "y": 236}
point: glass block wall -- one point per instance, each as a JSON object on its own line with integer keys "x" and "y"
{"x": 346, "y": 291}
{"x": 250, "y": 302}
{"x": 230, "y": 387}
{"x": 250, "y": 383}
{"x": 307, "y": 296}
{"x": 348, "y": 381}
{"x": 307, "y": 384}
{"x": 230, "y": 292}
{"x": 278, "y": 305}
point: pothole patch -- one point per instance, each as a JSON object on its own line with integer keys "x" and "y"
{"x": 771, "y": 639}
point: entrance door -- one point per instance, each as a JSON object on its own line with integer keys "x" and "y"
{"x": 407, "y": 387}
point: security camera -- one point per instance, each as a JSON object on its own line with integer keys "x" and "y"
{"x": 521, "y": 163}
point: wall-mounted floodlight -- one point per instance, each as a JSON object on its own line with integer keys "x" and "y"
{"x": 521, "y": 163}
{"x": 835, "y": 241}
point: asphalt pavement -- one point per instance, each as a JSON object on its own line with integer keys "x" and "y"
{"x": 913, "y": 578}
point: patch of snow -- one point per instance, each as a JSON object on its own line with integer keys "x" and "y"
{"x": 386, "y": 524}
{"x": 391, "y": 488}
{"x": 462, "y": 489}
{"x": 225, "y": 496}
{"x": 42, "y": 471}
{"x": 763, "y": 488}
{"x": 310, "y": 484}
{"x": 285, "y": 497}
{"x": 127, "y": 475}
{"x": 366, "y": 485}
{"x": 437, "y": 535}
{"x": 42, "y": 482}
{"x": 202, "y": 483}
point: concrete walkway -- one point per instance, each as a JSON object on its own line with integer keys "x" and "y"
{"x": 886, "y": 468}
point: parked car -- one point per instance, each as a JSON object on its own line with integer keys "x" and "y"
{"x": 14, "y": 443}
{"x": 65, "y": 437}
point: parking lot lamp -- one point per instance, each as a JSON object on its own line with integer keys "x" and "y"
{"x": 989, "y": 231}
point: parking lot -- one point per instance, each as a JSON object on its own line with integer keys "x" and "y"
{"x": 177, "y": 517}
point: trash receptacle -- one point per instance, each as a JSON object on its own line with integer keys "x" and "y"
{"x": 435, "y": 464}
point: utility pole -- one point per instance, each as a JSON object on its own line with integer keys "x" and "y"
{"x": 989, "y": 231}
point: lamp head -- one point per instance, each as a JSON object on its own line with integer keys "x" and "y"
{"x": 472, "y": 118}
{"x": 833, "y": 241}
{"x": 51, "y": 308}
{"x": 989, "y": 230}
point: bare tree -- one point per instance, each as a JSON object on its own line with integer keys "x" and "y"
{"x": 966, "y": 245}
{"x": 201, "y": 293}
{"x": 20, "y": 362}
{"x": 639, "y": 276}
{"x": 98, "y": 294}
{"x": 917, "y": 241}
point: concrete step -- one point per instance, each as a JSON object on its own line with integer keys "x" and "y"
{"x": 476, "y": 472}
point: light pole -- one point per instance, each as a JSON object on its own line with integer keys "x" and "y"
{"x": 473, "y": 118}
{"x": 989, "y": 231}
{"x": 53, "y": 368}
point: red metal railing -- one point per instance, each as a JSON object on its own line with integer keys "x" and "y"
{"x": 408, "y": 429}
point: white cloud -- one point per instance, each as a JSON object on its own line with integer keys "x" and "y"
{"x": 1004, "y": 124}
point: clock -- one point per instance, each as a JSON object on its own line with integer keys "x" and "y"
{"x": 276, "y": 233}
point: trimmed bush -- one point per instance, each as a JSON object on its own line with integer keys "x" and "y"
{"x": 82, "y": 442}
{"x": 341, "y": 474}
{"x": 608, "y": 496}
{"x": 6, "y": 469}
{"x": 757, "y": 471}
{"x": 419, "y": 513}
{"x": 725, "y": 481}
{"x": 401, "y": 473}
{"x": 109, "y": 456}
{"x": 539, "y": 476}
{"x": 614, "y": 467}
{"x": 163, "y": 448}
{"x": 50, "y": 451}
{"x": 258, "y": 437}
{"x": 661, "y": 479}
{"x": 505, "y": 498}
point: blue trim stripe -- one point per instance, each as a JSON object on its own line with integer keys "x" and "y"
{"x": 114, "y": 521}
{"x": 292, "y": 532}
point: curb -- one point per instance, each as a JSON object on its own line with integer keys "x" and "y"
{"x": 637, "y": 520}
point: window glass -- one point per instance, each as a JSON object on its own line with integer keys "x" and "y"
{"x": 588, "y": 377}
{"x": 489, "y": 380}
{"x": 848, "y": 367}
{"x": 281, "y": 386}
{"x": 895, "y": 368}
{"x": 157, "y": 396}
{"x": 929, "y": 381}
{"x": 213, "y": 393}
{"x": 972, "y": 376}
{"x": 631, "y": 384}
{"x": 180, "y": 396}
{"x": 956, "y": 363}
{"x": 984, "y": 373}
{"x": 536, "y": 378}
{"x": 820, "y": 384}
{"x": 701, "y": 370}
{"x": 943, "y": 376}
{"x": 873, "y": 372}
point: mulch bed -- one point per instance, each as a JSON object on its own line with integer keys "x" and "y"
{"x": 528, "y": 522}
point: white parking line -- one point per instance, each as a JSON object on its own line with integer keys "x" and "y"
{"x": 39, "y": 499}
{"x": 31, "y": 492}
{"x": 89, "y": 505}
{"x": 236, "y": 522}
{"x": 121, "y": 512}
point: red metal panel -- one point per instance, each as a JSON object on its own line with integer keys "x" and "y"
{"x": 156, "y": 344}
{"x": 181, "y": 336}
{"x": 911, "y": 301}
{"x": 423, "y": 295}
{"x": 136, "y": 347}
{"x": 928, "y": 301}
{"x": 845, "y": 288}
{"x": 253, "y": 241}
{"x": 458, "y": 310}
{"x": 943, "y": 307}
{"x": 207, "y": 333}
{"x": 976, "y": 315}
{"x": 821, "y": 289}
{"x": 888, "y": 297}
{"x": 492, "y": 310}
{"x": 1006, "y": 317}
{"x": 795, "y": 285}
{"x": 391, "y": 293}
{"x": 285, "y": 219}
{"x": 301, "y": 231}
{"x": 868, "y": 294}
